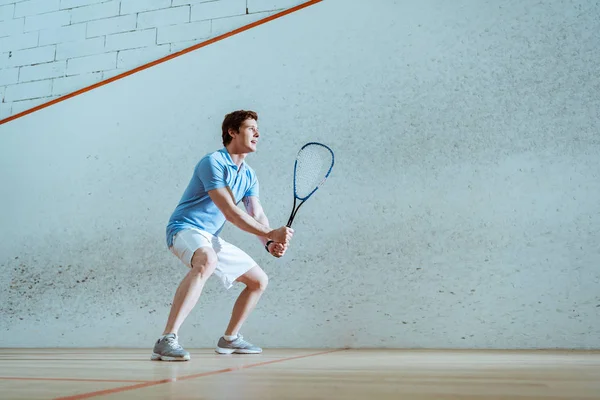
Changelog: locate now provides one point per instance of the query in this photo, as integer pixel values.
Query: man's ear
(232, 132)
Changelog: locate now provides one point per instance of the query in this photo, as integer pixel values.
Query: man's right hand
(281, 235)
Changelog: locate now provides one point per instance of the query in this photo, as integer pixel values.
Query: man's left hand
(277, 249)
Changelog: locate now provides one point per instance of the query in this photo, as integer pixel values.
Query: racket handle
(267, 245)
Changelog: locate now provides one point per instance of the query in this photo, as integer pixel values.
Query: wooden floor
(301, 374)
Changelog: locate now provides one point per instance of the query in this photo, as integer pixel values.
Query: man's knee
(259, 283)
(204, 262)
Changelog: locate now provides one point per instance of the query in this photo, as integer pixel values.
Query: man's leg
(256, 282)
(203, 264)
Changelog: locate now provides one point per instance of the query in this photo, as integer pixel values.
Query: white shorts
(232, 262)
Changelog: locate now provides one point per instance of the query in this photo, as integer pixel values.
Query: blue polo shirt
(196, 209)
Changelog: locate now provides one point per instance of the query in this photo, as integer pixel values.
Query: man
(220, 181)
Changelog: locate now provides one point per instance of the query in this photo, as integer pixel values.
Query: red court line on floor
(186, 377)
(19, 378)
(161, 60)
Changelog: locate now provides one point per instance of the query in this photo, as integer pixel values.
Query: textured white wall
(49, 48)
(462, 211)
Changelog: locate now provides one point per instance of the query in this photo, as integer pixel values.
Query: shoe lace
(241, 342)
(173, 343)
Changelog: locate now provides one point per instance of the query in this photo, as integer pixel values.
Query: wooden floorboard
(301, 374)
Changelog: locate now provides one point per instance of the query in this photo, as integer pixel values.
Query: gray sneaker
(239, 346)
(168, 349)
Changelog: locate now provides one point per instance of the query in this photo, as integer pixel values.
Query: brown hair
(233, 121)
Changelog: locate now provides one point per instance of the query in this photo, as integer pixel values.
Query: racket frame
(303, 199)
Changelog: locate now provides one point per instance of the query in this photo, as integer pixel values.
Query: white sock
(229, 338)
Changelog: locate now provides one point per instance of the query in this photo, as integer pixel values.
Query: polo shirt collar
(230, 161)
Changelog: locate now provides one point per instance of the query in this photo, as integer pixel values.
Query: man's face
(247, 138)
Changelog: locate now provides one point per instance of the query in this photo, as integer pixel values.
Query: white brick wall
(69, 84)
(136, 6)
(267, 5)
(31, 56)
(218, 9)
(65, 34)
(42, 71)
(7, 12)
(9, 76)
(96, 11)
(49, 48)
(12, 27)
(5, 108)
(100, 62)
(131, 40)
(184, 32)
(170, 16)
(30, 90)
(19, 42)
(129, 59)
(65, 51)
(35, 7)
(46, 21)
(109, 26)
(67, 4)
(3, 60)
(224, 25)
(23, 105)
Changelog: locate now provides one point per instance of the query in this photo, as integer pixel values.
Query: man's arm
(223, 199)
(255, 210)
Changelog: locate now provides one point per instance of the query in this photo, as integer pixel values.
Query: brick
(131, 40)
(109, 74)
(8, 76)
(224, 25)
(177, 46)
(183, 32)
(31, 90)
(65, 34)
(35, 7)
(100, 62)
(129, 59)
(37, 55)
(69, 84)
(66, 4)
(135, 6)
(188, 2)
(43, 71)
(218, 9)
(80, 49)
(19, 42)
(169, 16)
(271, 5)
(109, 26)
(95, 12)
(7, 12)
(12, 27)
(46, 21)
(19, 106)
(3, 60)
(5, 108)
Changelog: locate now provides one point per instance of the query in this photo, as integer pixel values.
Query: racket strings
(313, 164)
